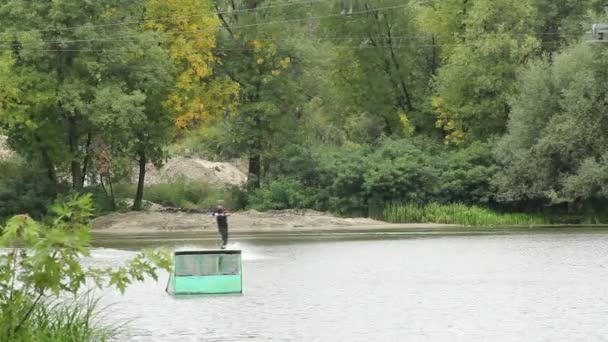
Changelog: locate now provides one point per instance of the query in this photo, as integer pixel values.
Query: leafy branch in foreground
(44, 261)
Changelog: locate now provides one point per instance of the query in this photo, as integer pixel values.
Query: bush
(23, 190)
(466, 174)
(362, 179)
(102, 203)
(283, 193)
(185, 193)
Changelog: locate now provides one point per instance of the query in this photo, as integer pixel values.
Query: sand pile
(5, 151)
(195, 169)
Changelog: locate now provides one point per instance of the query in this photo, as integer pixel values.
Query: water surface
(548, 285)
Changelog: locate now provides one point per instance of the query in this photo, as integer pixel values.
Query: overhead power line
(352, 47)
(305, 38)
(136, 37)
(333, 15)
(134, 22)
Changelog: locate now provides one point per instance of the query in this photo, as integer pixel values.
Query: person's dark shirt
(222, 221)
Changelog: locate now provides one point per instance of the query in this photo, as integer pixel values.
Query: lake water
(509, 286)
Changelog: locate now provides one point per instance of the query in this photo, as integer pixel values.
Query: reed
(457, 213)
(74, 321)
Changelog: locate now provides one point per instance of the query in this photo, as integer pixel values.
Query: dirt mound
(195, 169)
(5, 151)
(245, 221)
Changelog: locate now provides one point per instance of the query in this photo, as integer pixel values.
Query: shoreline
(412, 228)
(290, 222)
(247, 222)
(388, 227)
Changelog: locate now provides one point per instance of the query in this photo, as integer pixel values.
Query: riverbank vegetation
(73, 321)
(458, 214)
(43, 283)
(341, 106)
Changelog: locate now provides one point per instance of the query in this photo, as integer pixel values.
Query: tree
(71, 86)
(556, 148)
(474, 85)
(197, 98)
(562, 22)
(58, 71)
(26, 94)
(131, 120)
(266, 69)
(381, 70)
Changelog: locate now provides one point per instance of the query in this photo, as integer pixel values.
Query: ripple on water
(527, 287)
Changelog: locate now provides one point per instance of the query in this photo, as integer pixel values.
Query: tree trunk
(87, 159)
(109, 194)
(253, 179)
(112, 197)
(75, 166)
(51, 173)
(463, 26)
(139, 195)
(406, 93)
(50, 170)
(434, 61)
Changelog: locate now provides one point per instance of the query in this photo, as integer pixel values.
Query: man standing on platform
(221, 215)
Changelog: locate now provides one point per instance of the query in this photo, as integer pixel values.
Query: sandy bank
(247, 221)
(5, 151)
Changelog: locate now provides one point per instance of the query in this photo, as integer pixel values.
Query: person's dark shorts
(223, 228)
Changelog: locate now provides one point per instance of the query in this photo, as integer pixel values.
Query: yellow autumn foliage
(196, 99)
(266, 54)
(284, 63)
(449, 121)
(257, 44)
(407, 125)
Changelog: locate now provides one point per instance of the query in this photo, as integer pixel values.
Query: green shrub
(362, 179)
(185, 193)
(283, 193)
(23, 190)
(466, 174)
(102, 203)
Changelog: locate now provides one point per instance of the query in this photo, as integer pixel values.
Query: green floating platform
(206, 272)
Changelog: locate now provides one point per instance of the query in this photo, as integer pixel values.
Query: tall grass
(73, 321)
(457, 213)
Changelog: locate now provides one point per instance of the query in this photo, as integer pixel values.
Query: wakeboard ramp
(206, 272)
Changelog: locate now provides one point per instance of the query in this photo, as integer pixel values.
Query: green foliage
(23, 189)
(55, 320)
(386, 77)
(42, 262)
(188, 194)
(64, 96)
(479, 76)
(356, 179)
(556, 147)
(457, 214)
(104, 204)
(466, 174)
(337, 105)
(561, 22)
(283, 193)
